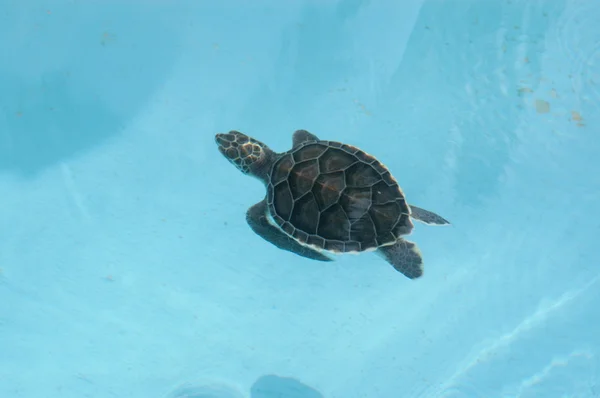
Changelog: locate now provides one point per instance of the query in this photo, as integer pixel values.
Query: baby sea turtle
(325, 196)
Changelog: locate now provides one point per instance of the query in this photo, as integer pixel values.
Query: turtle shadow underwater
(328, 197)
(266, 386)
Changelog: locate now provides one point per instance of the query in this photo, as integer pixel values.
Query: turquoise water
(127, 268)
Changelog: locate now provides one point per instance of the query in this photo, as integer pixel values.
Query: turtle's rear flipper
(257, 219)
(405, 257)
(426, 216)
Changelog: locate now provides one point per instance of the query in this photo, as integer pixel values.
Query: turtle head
(250, 156)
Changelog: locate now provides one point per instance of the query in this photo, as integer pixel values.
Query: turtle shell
(335, 197)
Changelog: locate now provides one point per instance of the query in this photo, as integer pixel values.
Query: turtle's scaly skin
(333, 196)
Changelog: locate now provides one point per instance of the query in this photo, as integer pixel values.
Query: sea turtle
(326, 196)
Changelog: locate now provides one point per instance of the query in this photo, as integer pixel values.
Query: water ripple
(581, 48)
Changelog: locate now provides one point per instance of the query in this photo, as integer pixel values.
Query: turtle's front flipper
(257, 219)
(427, 216)
(301, 136)
(405, 257)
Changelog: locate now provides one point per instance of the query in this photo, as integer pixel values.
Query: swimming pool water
(127, 268)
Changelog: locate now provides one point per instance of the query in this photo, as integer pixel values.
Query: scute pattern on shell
(336, 197)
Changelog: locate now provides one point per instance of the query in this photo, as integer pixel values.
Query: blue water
(127, 268)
